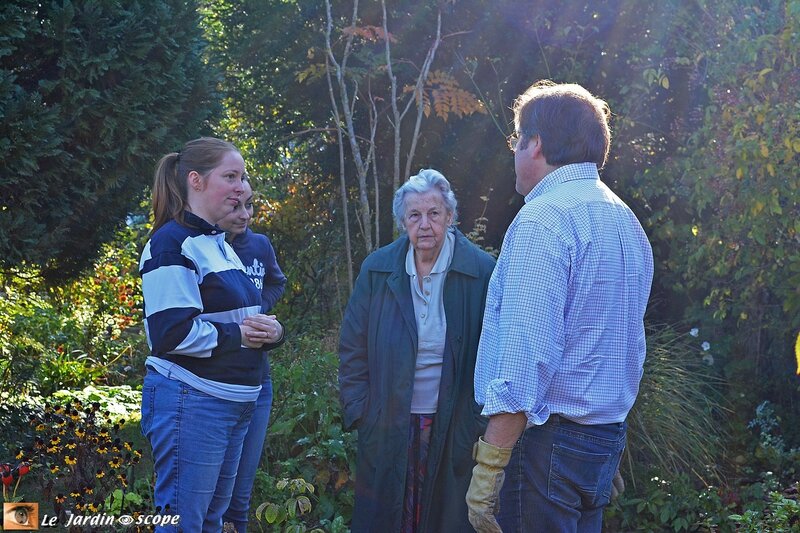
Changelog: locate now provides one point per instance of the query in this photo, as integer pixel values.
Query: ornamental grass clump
(676, 424)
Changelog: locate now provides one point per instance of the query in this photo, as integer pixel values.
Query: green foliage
(117, 402)
(478, 233)
(677, 504)
(294, 209)
(762, 496)
(770, 452)
(725, 207)
(305, 437)
(288, 511)
(85, 331)
(258, 46)
(91, 94)
(668, 505)
(782, 514)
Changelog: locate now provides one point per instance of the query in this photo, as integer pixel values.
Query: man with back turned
(563, 344)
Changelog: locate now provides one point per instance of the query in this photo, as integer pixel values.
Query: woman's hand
(260, 329)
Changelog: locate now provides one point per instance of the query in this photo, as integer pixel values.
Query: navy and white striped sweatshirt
(196, 293)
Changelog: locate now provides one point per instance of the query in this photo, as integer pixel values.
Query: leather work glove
(484, 489)
(617, 485)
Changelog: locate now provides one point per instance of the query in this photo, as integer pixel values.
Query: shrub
(81, 456)
(724, 210)
(287, 511)
(782, 514)
(662, 504)
(85, 331)
(305, 439)
(91, 93)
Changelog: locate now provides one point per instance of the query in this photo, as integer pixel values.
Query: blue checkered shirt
(563, 329)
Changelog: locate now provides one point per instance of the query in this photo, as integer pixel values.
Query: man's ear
(536, 149)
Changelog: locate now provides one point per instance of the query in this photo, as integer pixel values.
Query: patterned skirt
(419, 439)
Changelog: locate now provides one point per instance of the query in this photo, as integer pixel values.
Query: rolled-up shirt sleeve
(523, 330)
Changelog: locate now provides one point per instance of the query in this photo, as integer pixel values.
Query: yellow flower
(797, 352)
(70, 459)
(54, 469)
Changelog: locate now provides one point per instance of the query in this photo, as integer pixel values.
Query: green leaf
(271, 513)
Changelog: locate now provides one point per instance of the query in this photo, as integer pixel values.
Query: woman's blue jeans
(197, 441)
(251, 456)
(559, 477)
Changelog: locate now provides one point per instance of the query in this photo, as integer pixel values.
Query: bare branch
(423, 76)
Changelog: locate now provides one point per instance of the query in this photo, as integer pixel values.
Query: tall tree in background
(279, 104)
(91, 94)
(365, 72)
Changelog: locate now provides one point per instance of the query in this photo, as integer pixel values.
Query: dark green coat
(377, 352)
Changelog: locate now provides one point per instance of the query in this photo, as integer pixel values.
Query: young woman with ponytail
(206, 333)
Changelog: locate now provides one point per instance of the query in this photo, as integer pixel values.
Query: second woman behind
(407, 356)
(261, 266)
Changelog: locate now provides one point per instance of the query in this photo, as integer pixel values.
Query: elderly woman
(407, 355)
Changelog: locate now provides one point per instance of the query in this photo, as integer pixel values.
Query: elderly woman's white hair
(426, 180)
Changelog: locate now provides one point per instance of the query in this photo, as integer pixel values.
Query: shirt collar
(574, 171)
(442, 262)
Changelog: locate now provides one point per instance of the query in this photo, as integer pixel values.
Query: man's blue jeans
(251, 456)
(559, 477)
(197, 441)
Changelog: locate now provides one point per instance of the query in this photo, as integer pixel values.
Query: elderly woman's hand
(261, 329)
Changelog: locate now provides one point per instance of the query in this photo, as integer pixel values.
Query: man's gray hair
(426, 180)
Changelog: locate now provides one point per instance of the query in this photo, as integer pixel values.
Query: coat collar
(392, 258)
(194, 221)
